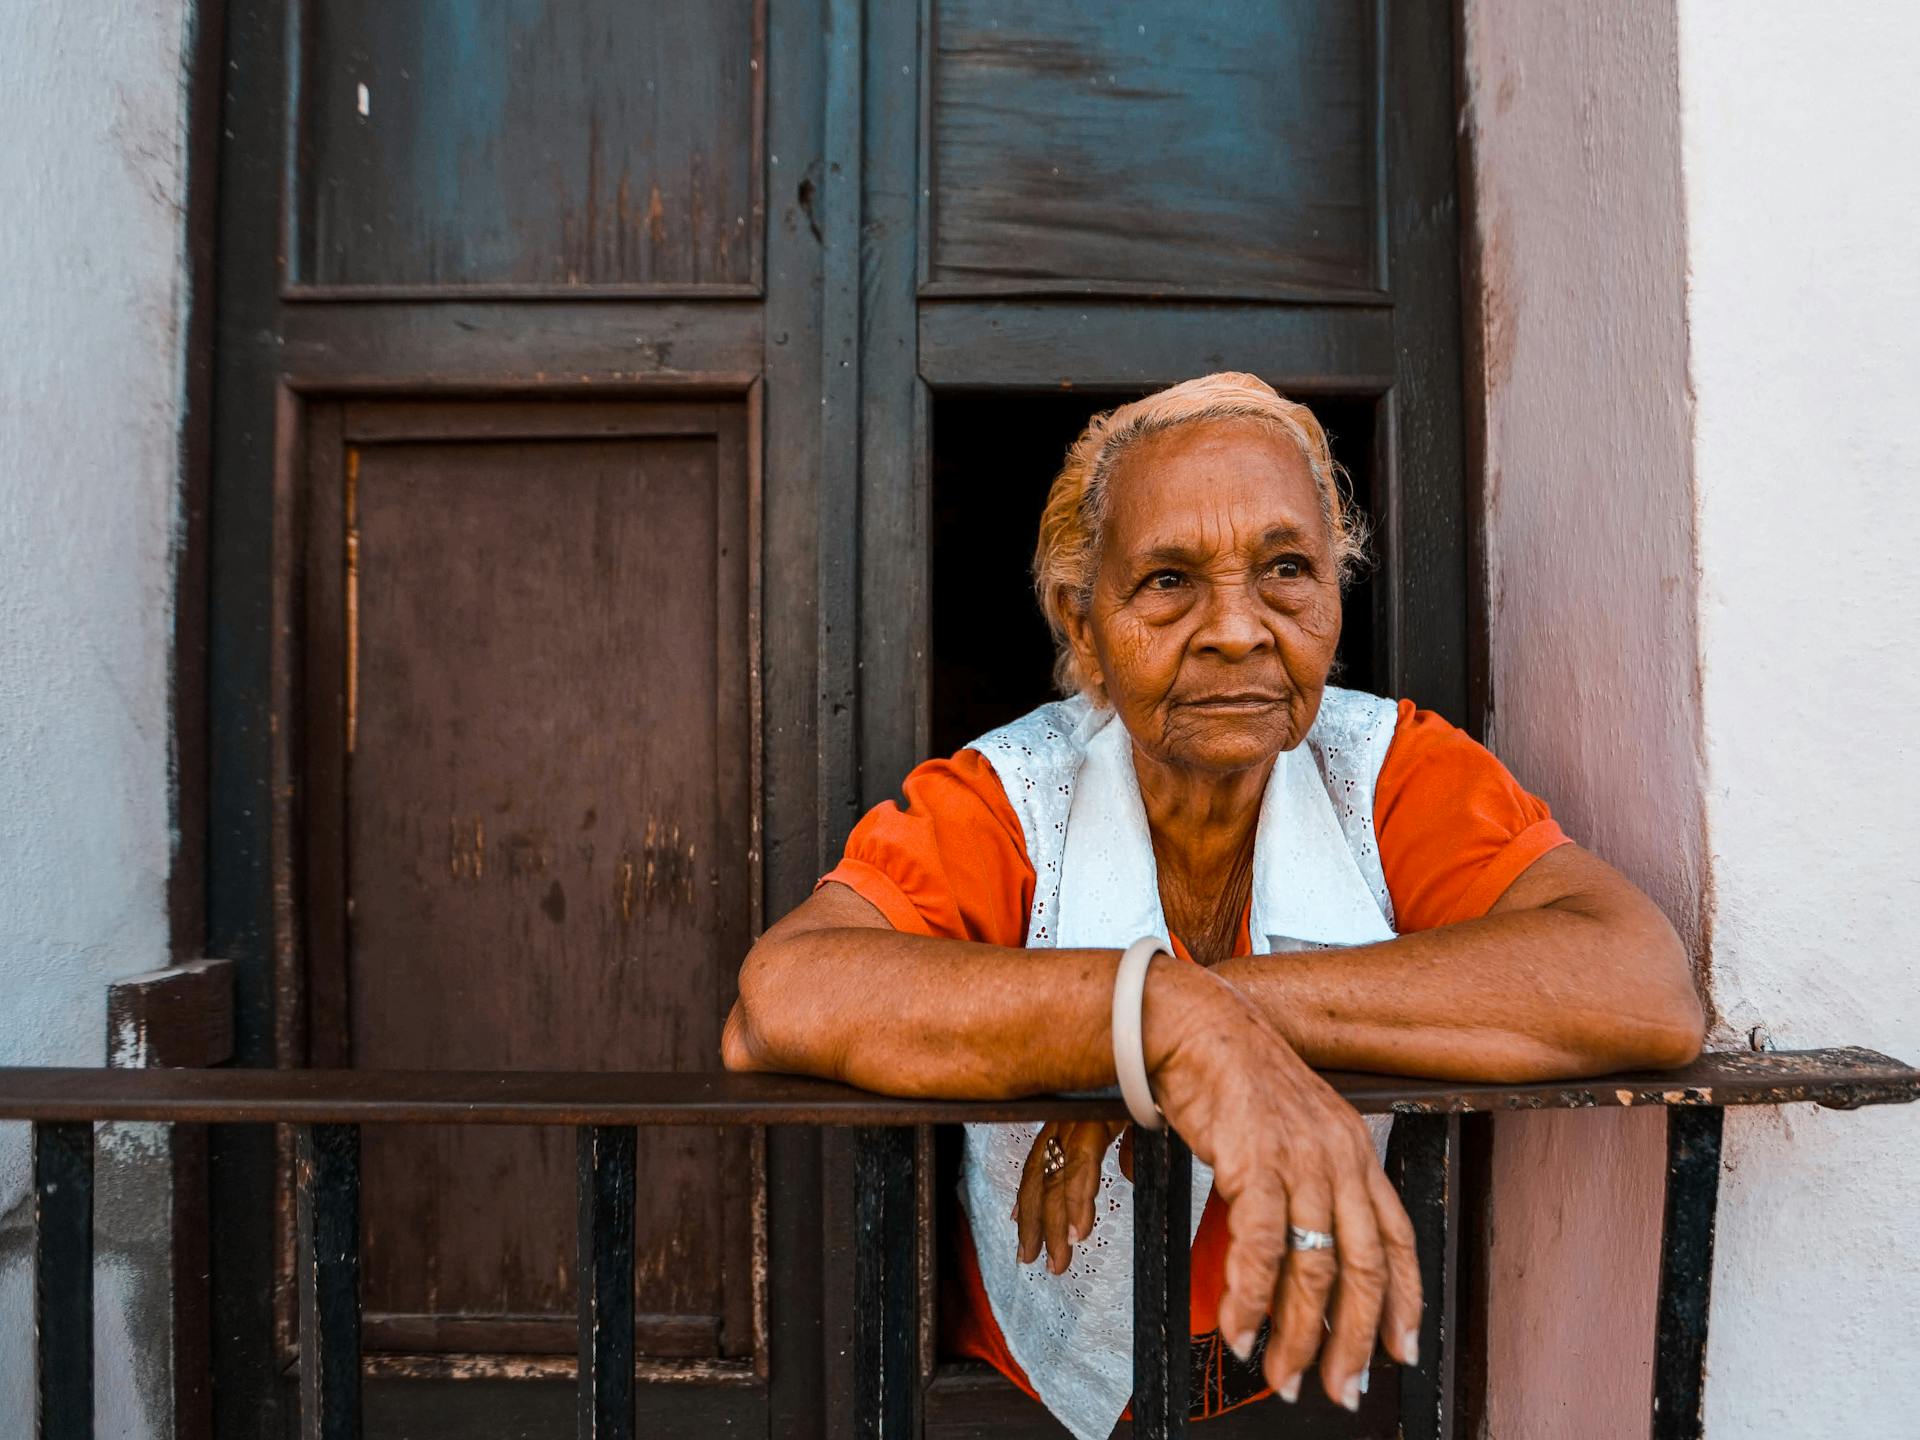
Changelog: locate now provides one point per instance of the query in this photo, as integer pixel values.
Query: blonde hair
(1068, 553)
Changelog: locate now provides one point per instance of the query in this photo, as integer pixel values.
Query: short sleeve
(1455, 828)
(947, 859)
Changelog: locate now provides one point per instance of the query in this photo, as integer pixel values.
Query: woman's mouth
(1239, 700)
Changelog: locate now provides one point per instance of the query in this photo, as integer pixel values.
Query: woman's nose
(1233, 625)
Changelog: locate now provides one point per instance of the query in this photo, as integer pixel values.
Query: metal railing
(328, 1108)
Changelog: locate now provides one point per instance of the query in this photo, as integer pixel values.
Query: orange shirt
(1454, 831)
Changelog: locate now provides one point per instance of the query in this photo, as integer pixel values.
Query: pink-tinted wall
(1579, 229)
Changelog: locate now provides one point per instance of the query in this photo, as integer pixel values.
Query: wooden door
(581, 372)
(512, 662)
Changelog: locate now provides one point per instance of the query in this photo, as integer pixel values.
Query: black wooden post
(605, 1237)
(886, 1285)
(1162, 1335)
(63, 1278)
(1423, 1162)
(1686, 1271)
(327, 1177)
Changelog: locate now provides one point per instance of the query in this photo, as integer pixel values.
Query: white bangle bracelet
(1129, 1046)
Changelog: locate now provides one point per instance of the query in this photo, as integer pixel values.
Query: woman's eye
(1288, 567)
(1165, 580)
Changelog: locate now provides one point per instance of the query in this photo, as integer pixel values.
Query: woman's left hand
(1057, 1210)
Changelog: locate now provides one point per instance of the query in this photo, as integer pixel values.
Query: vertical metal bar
(1686, 1271)
(63, 1278)
(1423, 1162)
(1162, 1334)
(605, 1237)
(327, 1175)
(886, 1285)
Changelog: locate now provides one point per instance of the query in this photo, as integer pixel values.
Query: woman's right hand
(1285, 1150)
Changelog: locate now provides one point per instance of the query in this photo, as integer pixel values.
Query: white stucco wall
(91, 307)
(1573, 119)
(1800, 130)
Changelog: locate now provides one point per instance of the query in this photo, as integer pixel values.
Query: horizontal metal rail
(328, 1107)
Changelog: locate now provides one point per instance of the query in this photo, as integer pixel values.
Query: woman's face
(1216, 607)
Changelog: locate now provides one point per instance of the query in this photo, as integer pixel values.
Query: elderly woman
(1327, 879)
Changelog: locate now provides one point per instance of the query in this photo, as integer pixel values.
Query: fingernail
(1290, 1391)
(1073, 1234)
(1242, 1344)
(1410, 1347)
(1350, 1397)
(1366, 1379)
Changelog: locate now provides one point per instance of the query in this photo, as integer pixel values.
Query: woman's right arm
(833, 990)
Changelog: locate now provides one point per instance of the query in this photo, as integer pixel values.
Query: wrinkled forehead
(1212, 486)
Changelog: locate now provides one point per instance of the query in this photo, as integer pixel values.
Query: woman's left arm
(1572, 972)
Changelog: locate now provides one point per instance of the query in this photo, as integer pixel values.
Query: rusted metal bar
(606, 1257)
(1425, 1165)
(1162, 1232)
(63, 1279)
(1686, 1273)
(327, 1178)
(886, 1285)
(1842, 1078)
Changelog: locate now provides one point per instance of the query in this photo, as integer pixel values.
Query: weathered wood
(592, 144)
(886, 1285)
(1840, 1078)
(835, 211)
(63, 1279)
(328, 1186)
(895, 538)
(1686, 1273)
(1227, 150)
(1302, 350)
(605, 1240)
(529, 716)
(1162, 1283)
(410, 347)
(1425, 1166)
(1420, 624)
(785, 447)
(180, 1015)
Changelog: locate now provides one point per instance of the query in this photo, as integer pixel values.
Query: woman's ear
(1073, 617)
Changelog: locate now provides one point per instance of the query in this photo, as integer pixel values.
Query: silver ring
(1300, 1239)
(1053, 1158)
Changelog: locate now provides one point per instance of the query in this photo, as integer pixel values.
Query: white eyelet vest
(1067, 769)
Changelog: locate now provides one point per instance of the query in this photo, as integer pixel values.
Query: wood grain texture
(1137, 146)
(180, 1015)
(507, 145)
(1301, 350)
(546, 829)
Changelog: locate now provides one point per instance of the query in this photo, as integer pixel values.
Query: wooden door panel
(1139, 146)
(515, 143)
(545, 813)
